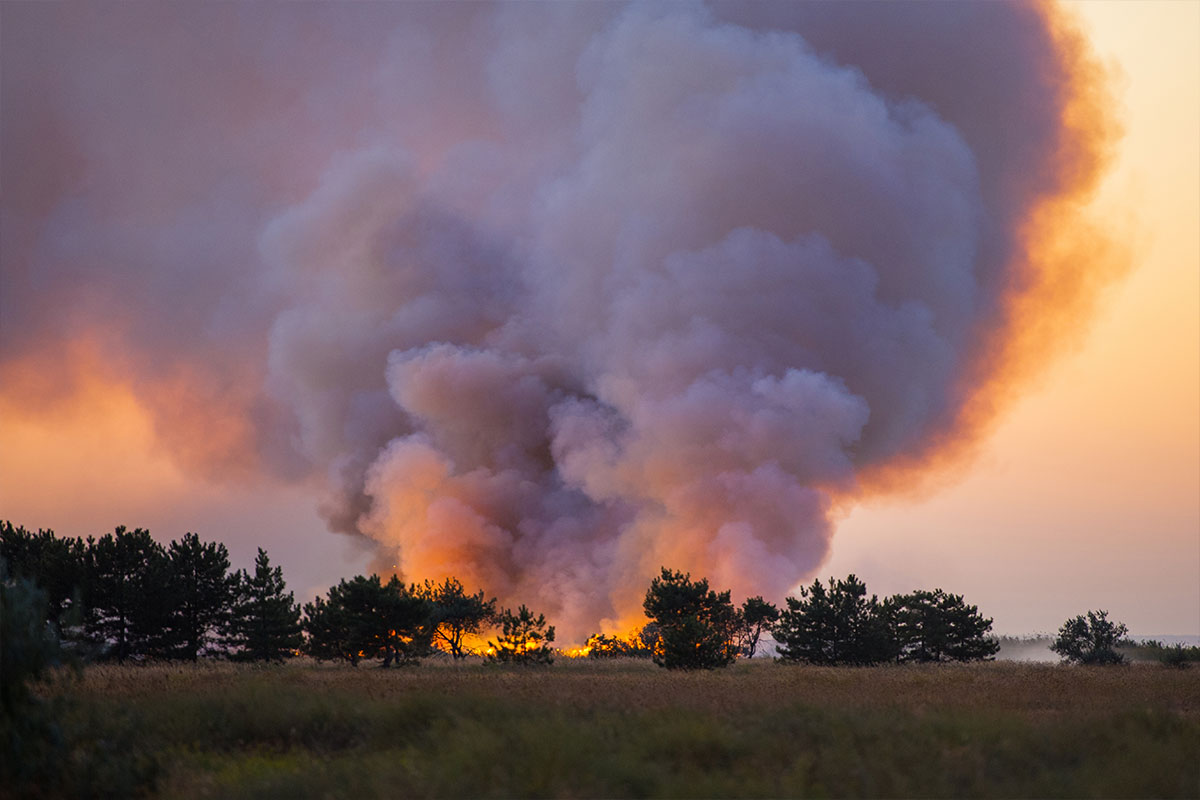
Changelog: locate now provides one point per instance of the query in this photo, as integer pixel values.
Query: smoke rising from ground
(547, 296)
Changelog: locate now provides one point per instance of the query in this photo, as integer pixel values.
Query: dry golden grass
(582, 683)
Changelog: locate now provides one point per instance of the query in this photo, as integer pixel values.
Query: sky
(1087, 494)
(1083, 492)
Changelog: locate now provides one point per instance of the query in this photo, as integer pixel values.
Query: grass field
(627, 728)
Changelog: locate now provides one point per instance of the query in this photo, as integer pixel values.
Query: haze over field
(545, 296)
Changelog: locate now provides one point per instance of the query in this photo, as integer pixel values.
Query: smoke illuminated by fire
(545, 297)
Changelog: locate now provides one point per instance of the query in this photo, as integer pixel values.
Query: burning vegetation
(108, 595)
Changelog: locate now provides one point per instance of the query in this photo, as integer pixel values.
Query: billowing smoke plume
(546, 296)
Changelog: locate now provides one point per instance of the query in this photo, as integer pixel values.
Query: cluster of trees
(366, 618)
(833, 624)
(124, 595)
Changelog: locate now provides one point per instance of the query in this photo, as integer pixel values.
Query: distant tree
(936, 626)
(265, 622)
(696, 625)
(202, 590)
(1178, 655)
(838, 625)
(524, 639)
(1091, 639)
(754, 618)
(129, 594)
(1172, 655)
(364, 618)
(456, 614)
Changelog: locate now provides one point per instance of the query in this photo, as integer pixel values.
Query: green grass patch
(628, 729)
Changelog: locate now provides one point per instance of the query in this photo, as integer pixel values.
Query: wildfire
(576, 652)
(601, 645)
(526, 646)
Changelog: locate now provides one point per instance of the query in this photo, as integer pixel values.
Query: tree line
(125, 596)
(829, 624)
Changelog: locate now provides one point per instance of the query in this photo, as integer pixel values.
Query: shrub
(1091, 639)
(43, 751)
(524, 639)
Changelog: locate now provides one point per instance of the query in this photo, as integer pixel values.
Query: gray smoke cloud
(546, 296)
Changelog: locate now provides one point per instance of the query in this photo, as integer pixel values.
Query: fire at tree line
(124, 596)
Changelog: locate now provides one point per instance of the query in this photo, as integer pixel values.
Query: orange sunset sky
(1085, 494)
(1088, 493)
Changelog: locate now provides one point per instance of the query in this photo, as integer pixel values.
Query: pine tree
(409, 622)
(265, 623)
(202, 590)
(456, 613)
(936, 626)
(754, 617)
(54, 564)
(697, 626)
(524, 639)
(363, 618)
(128, 594)
(838, 625)
(327, 634)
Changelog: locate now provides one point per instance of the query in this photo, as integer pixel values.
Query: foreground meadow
(627, 728)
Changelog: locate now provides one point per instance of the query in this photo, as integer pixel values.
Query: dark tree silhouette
(363, 618)
(129, 594)
(48, 745)
(600, 646)
(936, 626)
(202, 590)
(524, 639)
(409, 624)
(754, 618)
(30, 755)
(327, 634)
(265, 623)
(639, 644)
(1090, 640)
(696, 626)
(456, 614)
(838, 625)
(30, 644)
(55, 564)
